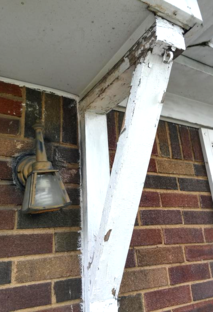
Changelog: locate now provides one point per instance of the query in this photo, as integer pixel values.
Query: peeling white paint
(106, 257)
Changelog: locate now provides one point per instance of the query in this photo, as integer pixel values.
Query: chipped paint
(107, 236)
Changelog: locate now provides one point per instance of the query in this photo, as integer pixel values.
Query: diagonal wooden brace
(149, 83)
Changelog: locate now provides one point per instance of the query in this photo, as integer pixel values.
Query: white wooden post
(134, 148)
(95, 177)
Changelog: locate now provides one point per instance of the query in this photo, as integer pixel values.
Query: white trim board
(184, 111)
(39, 87)
(190, 63)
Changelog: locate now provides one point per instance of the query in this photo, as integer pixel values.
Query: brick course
(143, 279)
(187, 273)
(157, 256)
(47, 268)
(25, 244)
(24, 297)
(146, 237)
(183, 236)
(179, 200)
(160, 299)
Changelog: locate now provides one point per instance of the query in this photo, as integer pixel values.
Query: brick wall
(170, 261)
(39, 256)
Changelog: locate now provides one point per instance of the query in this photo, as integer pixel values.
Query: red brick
(150, 199)
(7, 219)
(112, 139)
(146, 237)
(155, 149)
(193, 185)
(10, 107)
(200, 170)
(211, 266)
(70, 118)
(175, 145)
(206, 201)
(52, 115)
(196, 146)
(130, 303)
(130, 261)
(24, 297)
(208, 235)
(152, 217)
(10, 195)
(70, 175)
(11, 147)
(63, 155)
(163, 139)
(175, 167)
(7, 88)
(152, 166)
(67, 308)
(160, 299)
(156, 256)
(206, 306)
(188, 273)
(143, 279)
(183, 236)
(202, 290)
(198, 217)
(68, 289)
(160, 182)
(9, 126)
(5, 170)
(199, 253)
(25, 244)
(186, 143)
(74, 195)
(179, 200)
(33, 111)
(47, 268)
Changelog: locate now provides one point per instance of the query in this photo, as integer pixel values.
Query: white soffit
(64, 44)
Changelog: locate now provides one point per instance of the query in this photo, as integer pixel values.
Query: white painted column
(132, 157)
(95, 169)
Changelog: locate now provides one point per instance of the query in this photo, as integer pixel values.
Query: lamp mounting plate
(24, 168)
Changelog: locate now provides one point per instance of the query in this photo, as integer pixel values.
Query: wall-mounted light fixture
(44, 189)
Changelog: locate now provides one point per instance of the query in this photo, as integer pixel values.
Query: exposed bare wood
(114, 87)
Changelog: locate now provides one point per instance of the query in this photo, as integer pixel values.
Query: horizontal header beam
(185, 13)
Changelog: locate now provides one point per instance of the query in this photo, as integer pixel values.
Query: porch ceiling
(65, 44)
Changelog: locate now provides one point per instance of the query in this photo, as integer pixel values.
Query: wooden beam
(132, 157)
(184, 13)
(95, 178)
(115, 86)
